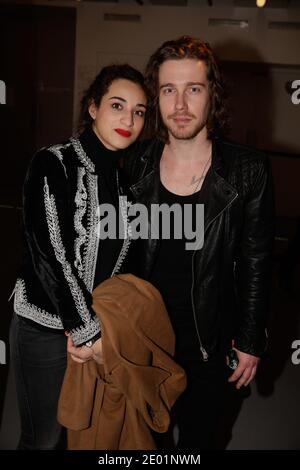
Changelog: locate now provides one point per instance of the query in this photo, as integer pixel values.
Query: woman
(65, 256)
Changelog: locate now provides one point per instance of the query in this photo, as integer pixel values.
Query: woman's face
(119, 119)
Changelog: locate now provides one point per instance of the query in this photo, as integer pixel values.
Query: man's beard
(183, 133)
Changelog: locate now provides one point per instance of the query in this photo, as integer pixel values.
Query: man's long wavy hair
(187, 47)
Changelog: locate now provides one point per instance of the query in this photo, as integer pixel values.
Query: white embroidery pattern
(56, 150)
(92, 239)
(80, 201)
(27, 310)
(127, 231)
(87, 202)
(90, 328)
(85, 332)
(84, 159)
(23, 308)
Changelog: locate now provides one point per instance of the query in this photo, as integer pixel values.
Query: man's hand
(79, 353)
(245, 370)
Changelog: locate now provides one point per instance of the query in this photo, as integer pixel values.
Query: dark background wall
(48, 55)
(37, 50)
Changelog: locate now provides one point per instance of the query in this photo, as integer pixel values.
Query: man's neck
(190, 150)
(184, 164)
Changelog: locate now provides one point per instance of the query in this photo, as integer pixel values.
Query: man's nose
(180, 101)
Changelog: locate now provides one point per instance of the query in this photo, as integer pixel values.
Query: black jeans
(198, 411)
(39, 358)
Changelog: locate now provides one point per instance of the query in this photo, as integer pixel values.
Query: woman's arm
(48, 223)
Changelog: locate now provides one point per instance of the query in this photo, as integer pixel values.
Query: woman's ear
(92, 109)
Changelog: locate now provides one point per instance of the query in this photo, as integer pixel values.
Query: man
(216, 294)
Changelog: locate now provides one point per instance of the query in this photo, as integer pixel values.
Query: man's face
(184, 97)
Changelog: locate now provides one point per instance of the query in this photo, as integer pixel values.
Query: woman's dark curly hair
(99, 87)
(187, 47)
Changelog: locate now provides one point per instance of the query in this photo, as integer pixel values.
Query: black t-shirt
(172, 276)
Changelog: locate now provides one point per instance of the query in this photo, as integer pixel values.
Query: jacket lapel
(219, 195)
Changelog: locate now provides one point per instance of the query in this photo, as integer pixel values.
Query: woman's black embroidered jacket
(61, 241)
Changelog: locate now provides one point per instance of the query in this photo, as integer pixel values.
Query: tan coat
(116, 405)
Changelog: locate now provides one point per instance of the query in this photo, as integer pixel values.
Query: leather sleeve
(254, 262)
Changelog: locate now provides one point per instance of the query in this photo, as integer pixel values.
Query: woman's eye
(117, 106)
(140, 113)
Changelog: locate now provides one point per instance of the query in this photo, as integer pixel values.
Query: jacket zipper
(204, 353)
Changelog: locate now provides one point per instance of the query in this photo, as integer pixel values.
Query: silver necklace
(201, 178)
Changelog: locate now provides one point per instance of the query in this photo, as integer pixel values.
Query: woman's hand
(97, 351)
(83, 354)
(79, 353)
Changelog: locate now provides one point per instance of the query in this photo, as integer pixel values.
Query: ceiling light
(260, 3)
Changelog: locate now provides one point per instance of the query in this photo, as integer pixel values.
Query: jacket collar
(150, 173)
(219, 196)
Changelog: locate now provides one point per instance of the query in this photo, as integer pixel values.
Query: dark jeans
(198, 410)
(39, 358)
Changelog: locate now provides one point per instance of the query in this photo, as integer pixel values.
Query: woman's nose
(127, 119)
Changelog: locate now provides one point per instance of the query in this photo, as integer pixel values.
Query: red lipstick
(123, 133)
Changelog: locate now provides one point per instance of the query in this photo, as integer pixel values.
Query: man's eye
(117, 106)
(168, 91)
(195, 89)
